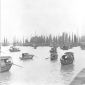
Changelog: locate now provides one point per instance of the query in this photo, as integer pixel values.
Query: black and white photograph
(42, 42)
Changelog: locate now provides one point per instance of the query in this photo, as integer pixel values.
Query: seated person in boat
(53, 50)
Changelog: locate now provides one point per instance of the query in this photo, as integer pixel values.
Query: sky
(26, 18)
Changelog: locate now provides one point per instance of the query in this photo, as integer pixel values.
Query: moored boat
(5, 63)
(69, 53)
(64, 47)
(53, 54)
(67, 68)
(67, 58)
(14, 49)
(26, 56)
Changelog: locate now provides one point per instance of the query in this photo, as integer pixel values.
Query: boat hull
(54, 56)
(14, 50)
(64, 48)
(5, 68)
(27, 57)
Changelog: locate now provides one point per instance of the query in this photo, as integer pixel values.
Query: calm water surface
(41, 71)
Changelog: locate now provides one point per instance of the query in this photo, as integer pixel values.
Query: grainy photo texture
(42, 42)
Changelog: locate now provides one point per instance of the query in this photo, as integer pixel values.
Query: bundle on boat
(67, 58)
(26, 56)
(53, 53)
(14, 49)
(5, 63)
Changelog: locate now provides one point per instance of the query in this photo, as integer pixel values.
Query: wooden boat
(53, 50)
(64, 47)
(67, 58)
(79, 79)
(69, 53)
(5, 63)
(53, 54)
(26, 56)
(67, 68)
(14, 49)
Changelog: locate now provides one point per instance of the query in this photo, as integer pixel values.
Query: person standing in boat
(53, 53)
(53, 50)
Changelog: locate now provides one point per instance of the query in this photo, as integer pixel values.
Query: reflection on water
(5, 78)
(67, 68)
(67, 73)
(39, 70)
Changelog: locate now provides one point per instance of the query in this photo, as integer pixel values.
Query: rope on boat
(18, 65)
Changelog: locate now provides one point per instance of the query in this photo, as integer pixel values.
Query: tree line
(60, 40)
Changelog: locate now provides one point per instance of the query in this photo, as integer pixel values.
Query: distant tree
(26, 41)
(75, 39)
(5, 42)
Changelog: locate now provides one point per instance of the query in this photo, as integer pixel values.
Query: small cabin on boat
(5, 63)
(67, 58)
(26, 56)
(14, 49)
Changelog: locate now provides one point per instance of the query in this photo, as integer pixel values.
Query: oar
(18, 65)
(47, 58)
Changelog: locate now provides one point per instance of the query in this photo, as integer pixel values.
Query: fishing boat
(67, 58)
(53, 54)
(14, 49)
(65, 47)
(53, 50)
(5, 63)
(67, 68)
(26, 56)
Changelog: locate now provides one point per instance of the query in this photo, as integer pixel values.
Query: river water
(41, 71)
